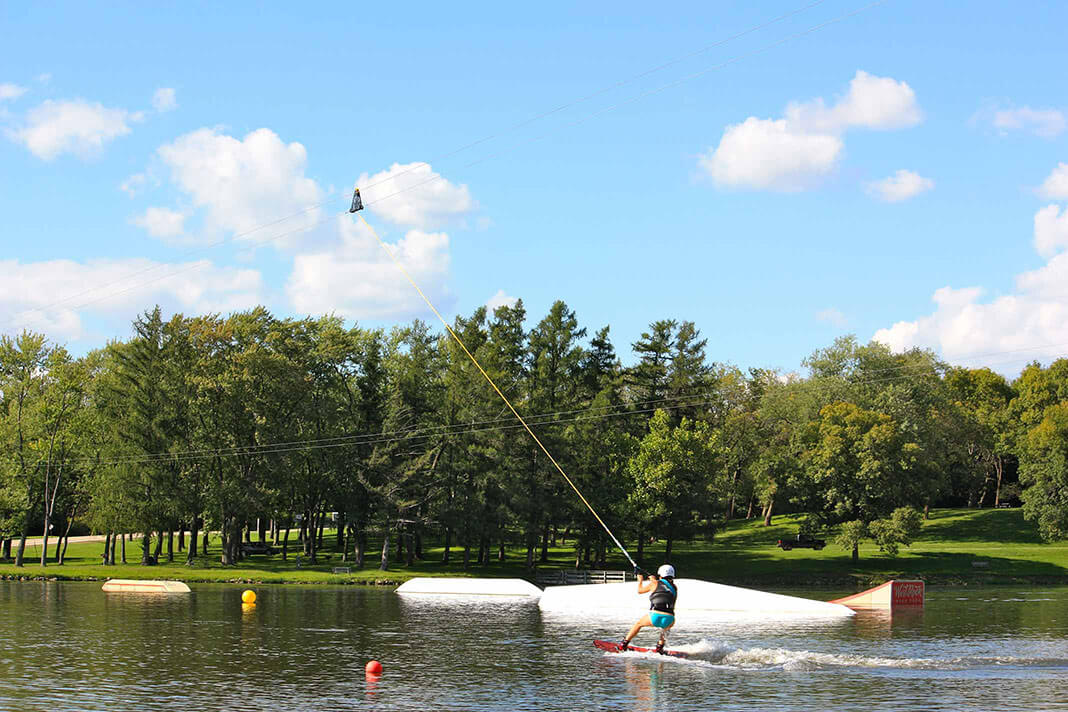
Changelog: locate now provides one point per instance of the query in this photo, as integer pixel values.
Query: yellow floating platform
(132, 586)
(887, 597)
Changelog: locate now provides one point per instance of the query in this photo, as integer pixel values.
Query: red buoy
(373, 668)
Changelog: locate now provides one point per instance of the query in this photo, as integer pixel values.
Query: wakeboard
(611, 647)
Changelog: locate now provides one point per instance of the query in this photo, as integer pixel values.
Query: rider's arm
(645, 585)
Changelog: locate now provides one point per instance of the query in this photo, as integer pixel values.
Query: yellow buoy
(248, 596)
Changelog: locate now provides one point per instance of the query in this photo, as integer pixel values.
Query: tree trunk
(417, 537)
(384, 565)
(204, 543)
(107, 546)
(999, 468)
(322, 523)
(544, 558)
(181, 537)
(227, 532)
(448, 546)
(114, 541)
(341, 531)
(310, 546)
(123, 549)
(730, 505)
(361, 546)
(44, 539)
(411, 551)
(146, 541)
(400, 543)
(749, 514)
(191, 555)
(170, 546)
(159, 547)
(767, 513)
(530, 551)
(261, 526)
(285, 543)
(500, 549)
(856, 553)
(59, 545)
(6, 549)
(667, 547)
(21, 551)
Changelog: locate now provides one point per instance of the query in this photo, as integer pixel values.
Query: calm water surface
(69, 646)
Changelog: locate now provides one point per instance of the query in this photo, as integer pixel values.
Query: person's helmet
(666, 571)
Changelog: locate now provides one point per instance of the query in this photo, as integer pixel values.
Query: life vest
(663, 597)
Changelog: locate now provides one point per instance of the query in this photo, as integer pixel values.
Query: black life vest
(663, 597)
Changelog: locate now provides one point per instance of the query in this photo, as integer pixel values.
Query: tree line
(253, 423)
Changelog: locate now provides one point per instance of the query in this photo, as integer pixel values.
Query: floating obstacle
(131, 586)
(612, 599)
(887, 597)
(444, 586)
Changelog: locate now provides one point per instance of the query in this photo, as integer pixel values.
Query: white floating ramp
(695, 596)
(446, 586)
(132, 586)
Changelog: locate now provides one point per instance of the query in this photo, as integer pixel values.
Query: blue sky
(901, 173)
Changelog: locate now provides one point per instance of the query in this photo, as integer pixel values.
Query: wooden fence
(569, 577)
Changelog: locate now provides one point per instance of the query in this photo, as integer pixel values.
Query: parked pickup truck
(256, 547)
(803, 541)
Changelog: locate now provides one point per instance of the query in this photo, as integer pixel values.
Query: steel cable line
(421, 435)
(415, 437)
(429, 431)
(475, 143)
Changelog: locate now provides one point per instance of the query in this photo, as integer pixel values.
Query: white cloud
(1032, 321)
(162, 223)
(788, 154)
(75, 126)
(164, 100)
(1051, 230)
(832, 316)
(414, 195)
(29, 291)
(10, 92)
(134, 184)
(242, 184)
(900, 186)
(879, 103)
(767, 154)
(359, 280)
(1055, 186)
(500, 299)
(1047, 123)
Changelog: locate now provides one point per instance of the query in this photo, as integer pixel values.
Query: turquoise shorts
(661, 620)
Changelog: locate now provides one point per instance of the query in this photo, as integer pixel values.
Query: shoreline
(858, 581)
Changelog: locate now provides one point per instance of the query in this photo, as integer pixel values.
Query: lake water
(69, 646)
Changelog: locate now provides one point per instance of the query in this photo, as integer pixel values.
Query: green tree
(1044, 473)
(858, 466)
(674, 473)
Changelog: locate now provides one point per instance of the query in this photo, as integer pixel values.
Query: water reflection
(304, 648)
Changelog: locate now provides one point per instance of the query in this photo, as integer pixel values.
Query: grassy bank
(955, 547)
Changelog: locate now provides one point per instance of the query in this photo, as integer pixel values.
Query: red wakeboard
(611, 647)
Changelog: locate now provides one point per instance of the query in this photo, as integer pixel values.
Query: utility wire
(198, 265)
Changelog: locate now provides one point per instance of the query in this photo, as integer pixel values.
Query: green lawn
(1005, 547)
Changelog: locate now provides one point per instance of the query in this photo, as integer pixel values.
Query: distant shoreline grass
(956, 547)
